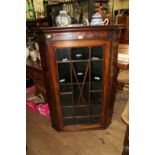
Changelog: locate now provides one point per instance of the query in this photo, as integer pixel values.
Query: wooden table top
(123, 49)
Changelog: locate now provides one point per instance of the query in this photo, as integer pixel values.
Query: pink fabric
(43, 109)
(31, 105)
(30, 89)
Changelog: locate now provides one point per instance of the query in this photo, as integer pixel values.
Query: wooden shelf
(101, 1)
(37, 22)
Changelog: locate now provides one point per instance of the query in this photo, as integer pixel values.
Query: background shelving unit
(85, 9)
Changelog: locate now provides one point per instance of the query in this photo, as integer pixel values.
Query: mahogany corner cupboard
(79, 65)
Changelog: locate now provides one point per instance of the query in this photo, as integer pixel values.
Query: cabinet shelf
(66, 93)
(95, 91)
(70, 93)
(76, 106)
(71, 117)
(100, 1)
(81, 83)
(74, 61)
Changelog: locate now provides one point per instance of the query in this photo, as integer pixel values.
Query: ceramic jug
(63, 19)
(36, 46)
(27, 52)
(34, 55)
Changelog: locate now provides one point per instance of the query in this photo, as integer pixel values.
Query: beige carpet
(42, 139)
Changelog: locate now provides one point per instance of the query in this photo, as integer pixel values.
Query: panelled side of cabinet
(106, 81)
(113, 73)
(54, 78)
(114, 41)
(49, 85)
(69, 38)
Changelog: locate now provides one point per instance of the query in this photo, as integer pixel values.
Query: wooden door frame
(55, 82)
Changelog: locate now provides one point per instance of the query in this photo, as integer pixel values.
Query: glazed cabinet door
(79, 71)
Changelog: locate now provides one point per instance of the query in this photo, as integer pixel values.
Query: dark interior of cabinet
(80, 81)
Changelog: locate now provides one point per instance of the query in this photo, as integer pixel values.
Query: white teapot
(97, 20)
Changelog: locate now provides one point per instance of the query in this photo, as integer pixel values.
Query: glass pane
(64, 73)
(65, 87)
(76, 93)
(62, 54)
(95, 98)
(81, 111)
(81, 53)
(95, 109)
(95, 119)
(75, 111)
(97, 53)
(96, 86)
(84, 120)
(80, 71)
(81, 100)
(84, 95)
(71, 121)
(81, 120)
(96, 70)
(68, 121)
(68, 111)
(66, 99)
